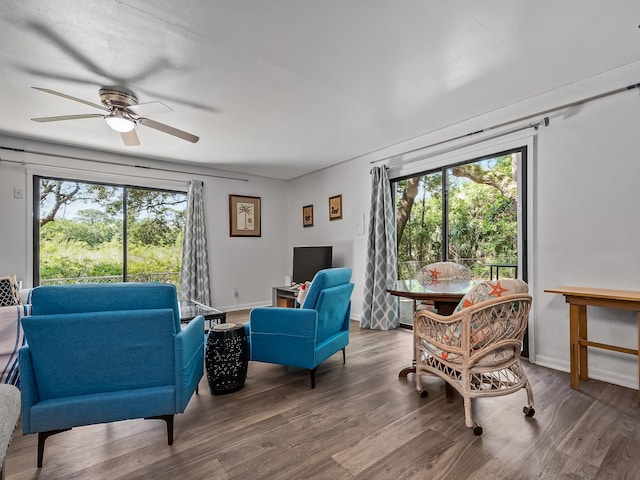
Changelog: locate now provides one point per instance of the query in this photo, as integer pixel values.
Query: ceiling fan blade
(67, 117)
(69, 97)
(167, 129)
(149, 108)
(130, 138)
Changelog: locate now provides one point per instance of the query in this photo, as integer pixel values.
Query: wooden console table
(578, 298)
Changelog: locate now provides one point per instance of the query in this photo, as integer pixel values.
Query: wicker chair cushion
(441, 271)
(488, 290)
(482, 332)
(495, 357)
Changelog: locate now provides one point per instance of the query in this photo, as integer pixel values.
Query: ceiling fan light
(118, 122)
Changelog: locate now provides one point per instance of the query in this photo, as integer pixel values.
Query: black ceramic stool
(226, 358)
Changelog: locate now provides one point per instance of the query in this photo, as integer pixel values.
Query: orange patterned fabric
(441, 271)
(492, 289)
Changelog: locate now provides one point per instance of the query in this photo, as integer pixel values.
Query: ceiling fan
(155, 67)
(123, 113)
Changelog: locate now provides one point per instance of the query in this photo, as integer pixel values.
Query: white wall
(584, 172)
(347, 235)
(586, 232)
(252, 265)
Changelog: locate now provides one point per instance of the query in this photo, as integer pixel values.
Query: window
(91, 232)
(470, 213)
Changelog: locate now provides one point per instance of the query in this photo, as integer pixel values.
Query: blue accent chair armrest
(189, 348)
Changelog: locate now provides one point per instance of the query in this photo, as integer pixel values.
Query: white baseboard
(608, 376)
(552, 362)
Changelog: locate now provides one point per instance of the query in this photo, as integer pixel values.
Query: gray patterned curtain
(380, 310)
(194, 276)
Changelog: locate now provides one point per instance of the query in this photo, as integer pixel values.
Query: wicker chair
(477, 349)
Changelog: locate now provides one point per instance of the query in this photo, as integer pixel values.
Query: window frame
(36, 179)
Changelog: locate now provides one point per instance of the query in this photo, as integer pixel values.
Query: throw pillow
(9, 291)
(304, 289)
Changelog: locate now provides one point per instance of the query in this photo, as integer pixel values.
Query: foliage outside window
(463, 213)
(90, 232)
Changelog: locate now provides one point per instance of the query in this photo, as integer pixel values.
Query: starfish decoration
(434, 274)
(496, 290)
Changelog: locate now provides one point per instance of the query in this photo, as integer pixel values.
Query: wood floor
(360, 422)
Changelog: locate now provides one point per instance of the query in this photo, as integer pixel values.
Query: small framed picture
(335, 207)
(307, 216)
(244, 216)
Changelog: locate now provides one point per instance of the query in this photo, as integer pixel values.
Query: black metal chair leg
(344, 356)
(42, 437)
(169, 420)
(313, 378)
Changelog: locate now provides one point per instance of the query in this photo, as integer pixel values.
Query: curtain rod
(535, 125)
(104, 162)
(526, 117)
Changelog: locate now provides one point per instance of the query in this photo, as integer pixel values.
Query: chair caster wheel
(529, 411)
(424, 393)
(477, 429)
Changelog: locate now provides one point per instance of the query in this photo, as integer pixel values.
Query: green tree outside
(482, 217)
(86, 244)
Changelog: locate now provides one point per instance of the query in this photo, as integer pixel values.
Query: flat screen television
(307, 261)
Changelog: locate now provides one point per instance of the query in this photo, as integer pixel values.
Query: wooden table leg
(574, 351)
(582, 335)
(639, 354)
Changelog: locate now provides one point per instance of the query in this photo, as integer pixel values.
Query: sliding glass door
(470, 213)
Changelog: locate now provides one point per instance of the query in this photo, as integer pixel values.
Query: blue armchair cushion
(96, 356)
(103, 297)
(325, 279)
(284, 335)
(333, 307)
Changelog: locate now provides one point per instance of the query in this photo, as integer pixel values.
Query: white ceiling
(280, 88)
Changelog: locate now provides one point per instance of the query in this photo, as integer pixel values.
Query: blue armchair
(305, 337)
(99, 353)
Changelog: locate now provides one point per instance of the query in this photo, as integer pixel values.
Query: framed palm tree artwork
(244, 216)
